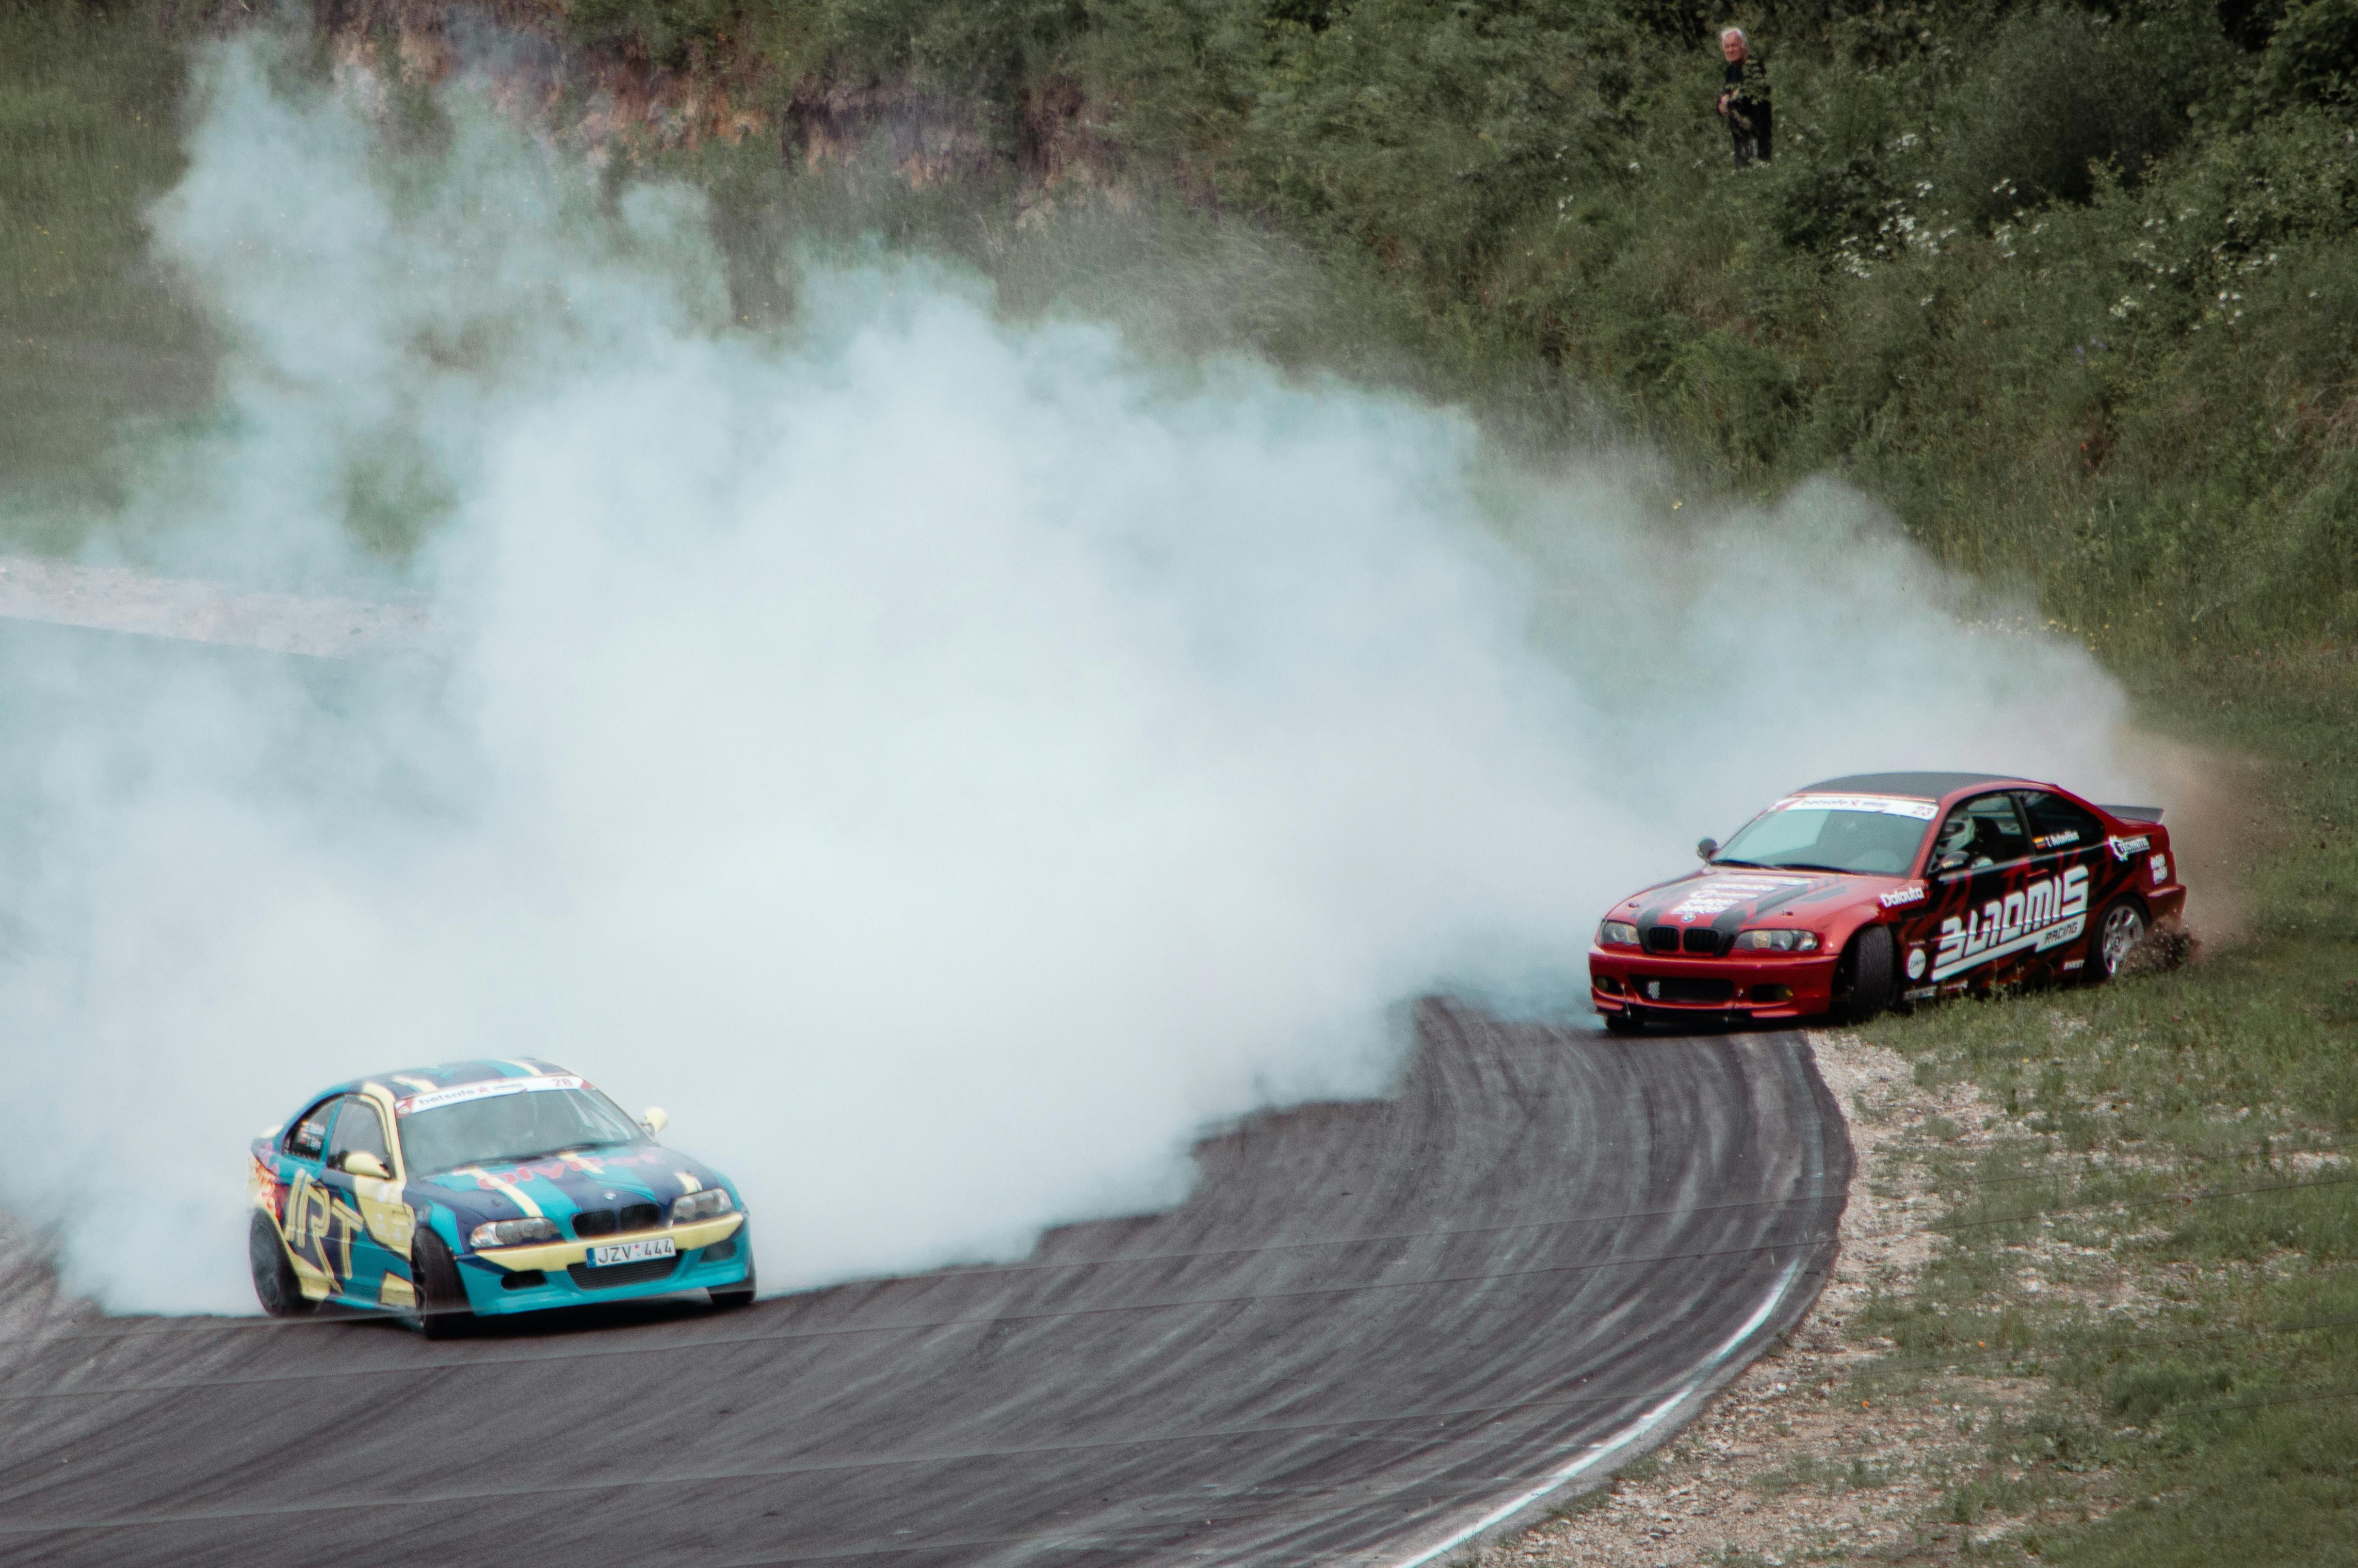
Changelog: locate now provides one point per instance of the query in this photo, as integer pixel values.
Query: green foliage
(2313, 53)
(2065, 286)
(90, 334)
(666, 32)
(2062, 94)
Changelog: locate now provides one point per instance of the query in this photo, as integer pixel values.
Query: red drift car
(1858, 894)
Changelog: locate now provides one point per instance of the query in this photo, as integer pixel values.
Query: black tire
(274, 1285)
(2119, 932)
(1622, 1023)
(442, 1309)
(728, 1298)
(1866, 977)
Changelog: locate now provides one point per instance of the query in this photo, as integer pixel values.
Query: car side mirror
(361, 1162)
(655, 1121)
(1706, 848)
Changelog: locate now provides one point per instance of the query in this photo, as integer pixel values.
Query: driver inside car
(1956, 848)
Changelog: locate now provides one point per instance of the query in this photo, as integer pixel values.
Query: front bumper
(1668, 987)
(712, 1253)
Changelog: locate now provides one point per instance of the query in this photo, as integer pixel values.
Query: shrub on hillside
(2059, 94)
(666, 32)
(2313, 54)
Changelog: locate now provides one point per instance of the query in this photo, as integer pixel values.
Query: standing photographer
(1744, 102)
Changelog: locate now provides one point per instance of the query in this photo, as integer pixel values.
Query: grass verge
(2162, 1233)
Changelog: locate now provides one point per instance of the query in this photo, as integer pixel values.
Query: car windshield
(511, 1127)
(1870, 836)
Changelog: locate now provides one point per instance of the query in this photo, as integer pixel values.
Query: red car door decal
(2002, 926)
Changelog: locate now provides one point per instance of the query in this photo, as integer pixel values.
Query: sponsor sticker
(1915, 963)
(1921, 993)
(2158, 864)
(1721, 895)
(1912, 893)
(2039, 915)
(2124, 848)
(2055, 840)
(487, 1089)
(1885, 804)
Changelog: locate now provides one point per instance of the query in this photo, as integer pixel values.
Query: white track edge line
(1600, 1452)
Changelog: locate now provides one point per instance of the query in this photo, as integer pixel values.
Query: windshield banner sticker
(1885, 804)
(484, 1090)
(2046, 913)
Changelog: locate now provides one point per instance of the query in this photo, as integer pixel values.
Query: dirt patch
(2215, 829)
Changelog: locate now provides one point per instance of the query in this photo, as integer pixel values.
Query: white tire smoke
(948, 764)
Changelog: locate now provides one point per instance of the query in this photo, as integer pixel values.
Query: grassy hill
(2069, 288)
(2066, 286)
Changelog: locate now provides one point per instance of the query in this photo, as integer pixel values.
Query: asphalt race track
(1374, 1329)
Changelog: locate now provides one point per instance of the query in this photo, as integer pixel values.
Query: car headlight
(700, 1206)
(1617, 934)
(508, 1232)
(1777, 942)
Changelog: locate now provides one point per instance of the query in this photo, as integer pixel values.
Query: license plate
(632, 1252)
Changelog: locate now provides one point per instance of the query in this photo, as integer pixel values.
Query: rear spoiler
(2135, 813)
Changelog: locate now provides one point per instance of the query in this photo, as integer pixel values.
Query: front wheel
(1622, 1023)
(2119, 932)
(728, 1298)
(442, 1309)
(274, 1285)
(1866, 977)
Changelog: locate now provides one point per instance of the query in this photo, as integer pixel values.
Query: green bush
(666, 32)
(2059, 94)
(2065, 286)
(2313, 54)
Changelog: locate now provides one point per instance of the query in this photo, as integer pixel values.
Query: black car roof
(1928, 786)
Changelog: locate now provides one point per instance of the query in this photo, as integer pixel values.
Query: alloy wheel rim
(2121, 935)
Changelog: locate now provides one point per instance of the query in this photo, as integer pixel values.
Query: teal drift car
(480, 1189)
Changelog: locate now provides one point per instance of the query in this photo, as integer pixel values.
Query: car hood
(1730, 899)
(562, 1186)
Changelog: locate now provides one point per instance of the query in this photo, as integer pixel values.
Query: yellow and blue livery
(478, 1189)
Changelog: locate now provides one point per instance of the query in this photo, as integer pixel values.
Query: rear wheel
(728, 1298)
(2119, 931)
(274, 1285)
(1866, 977)
(442, 1309)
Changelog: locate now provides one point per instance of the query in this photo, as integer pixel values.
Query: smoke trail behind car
(948, 762)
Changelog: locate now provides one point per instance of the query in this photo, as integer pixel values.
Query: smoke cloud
(948, 762)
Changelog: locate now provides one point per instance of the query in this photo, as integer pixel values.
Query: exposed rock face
(608, 100)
